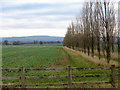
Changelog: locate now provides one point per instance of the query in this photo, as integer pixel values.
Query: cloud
(38, 16)
(43, 9)
(41, 15)
(30, 32)
(9, 3)
(33, 23)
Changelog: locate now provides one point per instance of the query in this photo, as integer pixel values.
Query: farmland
(28, 56)
(46, 57)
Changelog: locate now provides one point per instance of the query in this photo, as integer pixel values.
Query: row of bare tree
(94, 29)
(6, 42)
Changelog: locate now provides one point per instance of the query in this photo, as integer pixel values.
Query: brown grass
(94, 59)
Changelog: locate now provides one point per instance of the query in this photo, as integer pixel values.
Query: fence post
(23, 77)
(69, 77)
(113, 75)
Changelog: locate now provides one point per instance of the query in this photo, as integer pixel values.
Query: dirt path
(95, 59)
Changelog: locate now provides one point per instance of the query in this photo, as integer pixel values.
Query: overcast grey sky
(37, 17)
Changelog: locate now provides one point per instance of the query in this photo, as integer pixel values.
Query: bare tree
(6, 42)
(95, 28)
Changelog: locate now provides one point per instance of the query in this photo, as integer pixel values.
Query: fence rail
(48, 77)
(73, 68)
(22, 76)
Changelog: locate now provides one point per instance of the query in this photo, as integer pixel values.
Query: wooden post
(69, 77)
(113, 75)
(23, 77)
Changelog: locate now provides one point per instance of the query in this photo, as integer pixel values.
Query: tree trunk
(92, 45)
(88, 51)
(108, 48)
(98, 47)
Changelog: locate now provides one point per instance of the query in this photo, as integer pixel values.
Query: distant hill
(32, 38)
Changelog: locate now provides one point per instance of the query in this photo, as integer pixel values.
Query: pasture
(47, 57)
(28, 56)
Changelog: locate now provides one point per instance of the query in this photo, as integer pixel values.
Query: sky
(37, 17)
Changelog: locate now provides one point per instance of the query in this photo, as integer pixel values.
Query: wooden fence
(69, 69)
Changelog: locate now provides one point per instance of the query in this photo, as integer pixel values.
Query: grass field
(46, 56)
(28, 56)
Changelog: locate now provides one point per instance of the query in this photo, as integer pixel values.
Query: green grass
(102, 56)
(115, 48)
(79, 61)
(28, 56)
(46, 56)
(112, 58)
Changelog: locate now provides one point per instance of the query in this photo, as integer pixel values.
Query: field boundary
(94, 59)
(69, 70)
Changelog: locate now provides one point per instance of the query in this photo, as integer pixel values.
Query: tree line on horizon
(6, 42)
(94, 29)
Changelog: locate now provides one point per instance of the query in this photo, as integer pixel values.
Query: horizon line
(30, 36)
